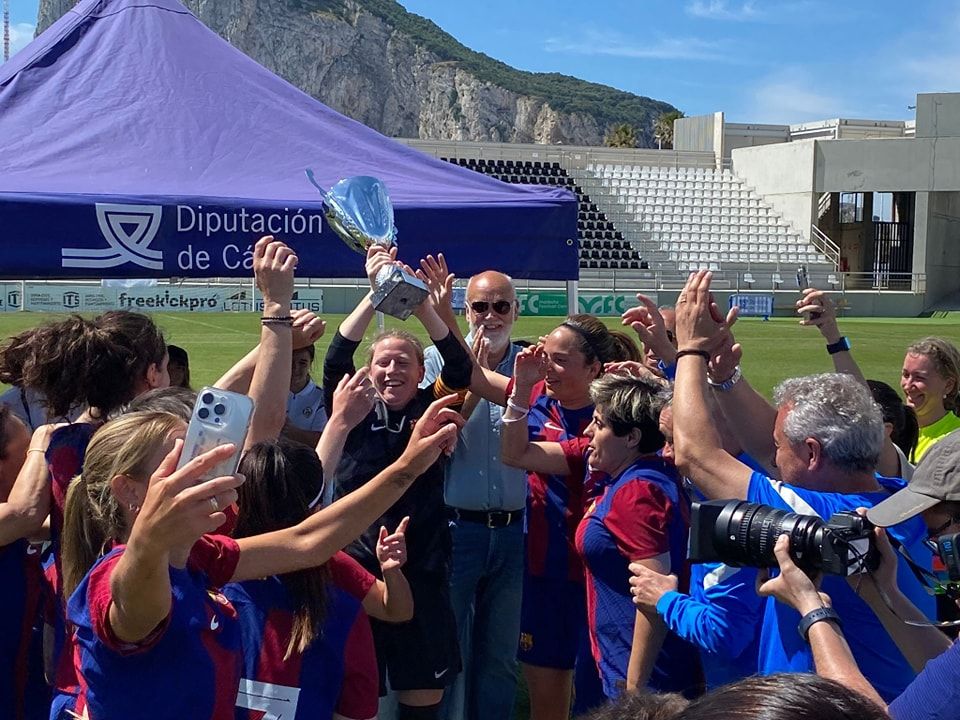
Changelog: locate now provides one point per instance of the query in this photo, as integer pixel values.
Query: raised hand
(633, 368)
(648, 323)
(434, 433)
(392, 548)
(308, 327)
(354, 397)
(648, 586)
(273, 267)
(530, 366)
(700, 325)
(481, 348)
(438, 278)
(378, 257)
(178, 508)
(724, 359)
(817, 309)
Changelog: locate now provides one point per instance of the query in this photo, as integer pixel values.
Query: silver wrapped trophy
(359, 211)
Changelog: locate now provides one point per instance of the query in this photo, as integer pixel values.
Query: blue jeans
(486, 585)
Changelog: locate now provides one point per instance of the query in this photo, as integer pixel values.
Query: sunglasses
(500, 307)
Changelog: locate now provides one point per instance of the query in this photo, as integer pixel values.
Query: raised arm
(438, 278)
(338, 360)
(307, 329)
(516, 449)
(818, 310)
(316, 539)
(749, 417)
(353, 399)
(28, 504)
(273, 267)
(699, 453)
(176, 511)
(391, 599)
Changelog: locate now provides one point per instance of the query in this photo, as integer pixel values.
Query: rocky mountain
(402, 75)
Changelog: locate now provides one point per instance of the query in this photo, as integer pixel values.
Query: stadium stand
(684, 219)
(673, 219)
(602, 245)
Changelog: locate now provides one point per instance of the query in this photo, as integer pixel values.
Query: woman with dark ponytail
(555, 406)
(901, 427)
(308, 632)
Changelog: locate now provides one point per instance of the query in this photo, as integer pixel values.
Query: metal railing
(825, 245)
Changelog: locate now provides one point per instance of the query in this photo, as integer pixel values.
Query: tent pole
(573, 297)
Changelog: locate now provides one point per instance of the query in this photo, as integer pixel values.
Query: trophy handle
(313, 181)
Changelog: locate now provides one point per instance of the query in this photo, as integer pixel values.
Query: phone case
(219, 417)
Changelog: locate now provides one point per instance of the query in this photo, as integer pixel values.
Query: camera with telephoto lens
(743, 534)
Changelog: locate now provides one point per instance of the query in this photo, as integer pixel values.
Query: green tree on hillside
(663, 129)
(621, 135)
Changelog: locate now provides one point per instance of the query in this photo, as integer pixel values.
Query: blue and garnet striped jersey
(338, 671)
(555, 503)
(186, 669)
(640, 514)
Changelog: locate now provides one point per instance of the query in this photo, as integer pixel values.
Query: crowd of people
(408, 537)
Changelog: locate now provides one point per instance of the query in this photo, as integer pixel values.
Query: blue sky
(777, 61)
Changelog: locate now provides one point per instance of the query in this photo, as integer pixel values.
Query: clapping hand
(700, 324)
(648, 323)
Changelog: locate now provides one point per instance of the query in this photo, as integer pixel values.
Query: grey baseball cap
(936, 480)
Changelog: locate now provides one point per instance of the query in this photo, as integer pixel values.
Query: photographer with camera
(826, 436)
(934, 495)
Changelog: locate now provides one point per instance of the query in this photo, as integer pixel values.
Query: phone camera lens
(203, 413)
(219, 409)
(206, 398)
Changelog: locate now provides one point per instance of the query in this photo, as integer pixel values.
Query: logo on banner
(71, 300)
(128, 230)
(13, 298)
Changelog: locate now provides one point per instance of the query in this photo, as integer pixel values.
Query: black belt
(491, 518)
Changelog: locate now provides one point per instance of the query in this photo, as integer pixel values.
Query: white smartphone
(219, 417)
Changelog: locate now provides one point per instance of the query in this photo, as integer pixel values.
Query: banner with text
(43, 297)
(542, 303)
(609, 304)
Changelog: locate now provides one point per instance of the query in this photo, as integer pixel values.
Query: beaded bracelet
(276, 320)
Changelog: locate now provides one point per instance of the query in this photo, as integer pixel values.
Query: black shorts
(422, 654)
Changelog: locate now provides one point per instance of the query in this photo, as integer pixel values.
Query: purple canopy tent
(138, 143)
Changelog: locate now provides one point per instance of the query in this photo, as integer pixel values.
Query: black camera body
(948, 547)
(743, 534)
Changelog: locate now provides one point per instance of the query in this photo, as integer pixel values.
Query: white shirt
(305, 408)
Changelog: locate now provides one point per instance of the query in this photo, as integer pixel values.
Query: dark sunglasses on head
(500, 307)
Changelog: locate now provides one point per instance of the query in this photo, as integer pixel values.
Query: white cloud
(594, 42)
(20, 36)
(931, 73)
(794, 95)
(723, 10)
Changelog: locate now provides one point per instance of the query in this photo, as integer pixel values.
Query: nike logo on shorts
(438, 675)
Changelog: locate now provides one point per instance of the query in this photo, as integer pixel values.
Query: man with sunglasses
(485, 500)
(934, 495)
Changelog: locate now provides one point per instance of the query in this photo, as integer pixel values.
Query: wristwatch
(841, 345)
(727, 385)
(815, 616)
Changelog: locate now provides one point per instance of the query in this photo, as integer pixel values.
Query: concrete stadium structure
(872, 208)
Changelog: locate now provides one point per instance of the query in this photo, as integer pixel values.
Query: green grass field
(773, 350)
